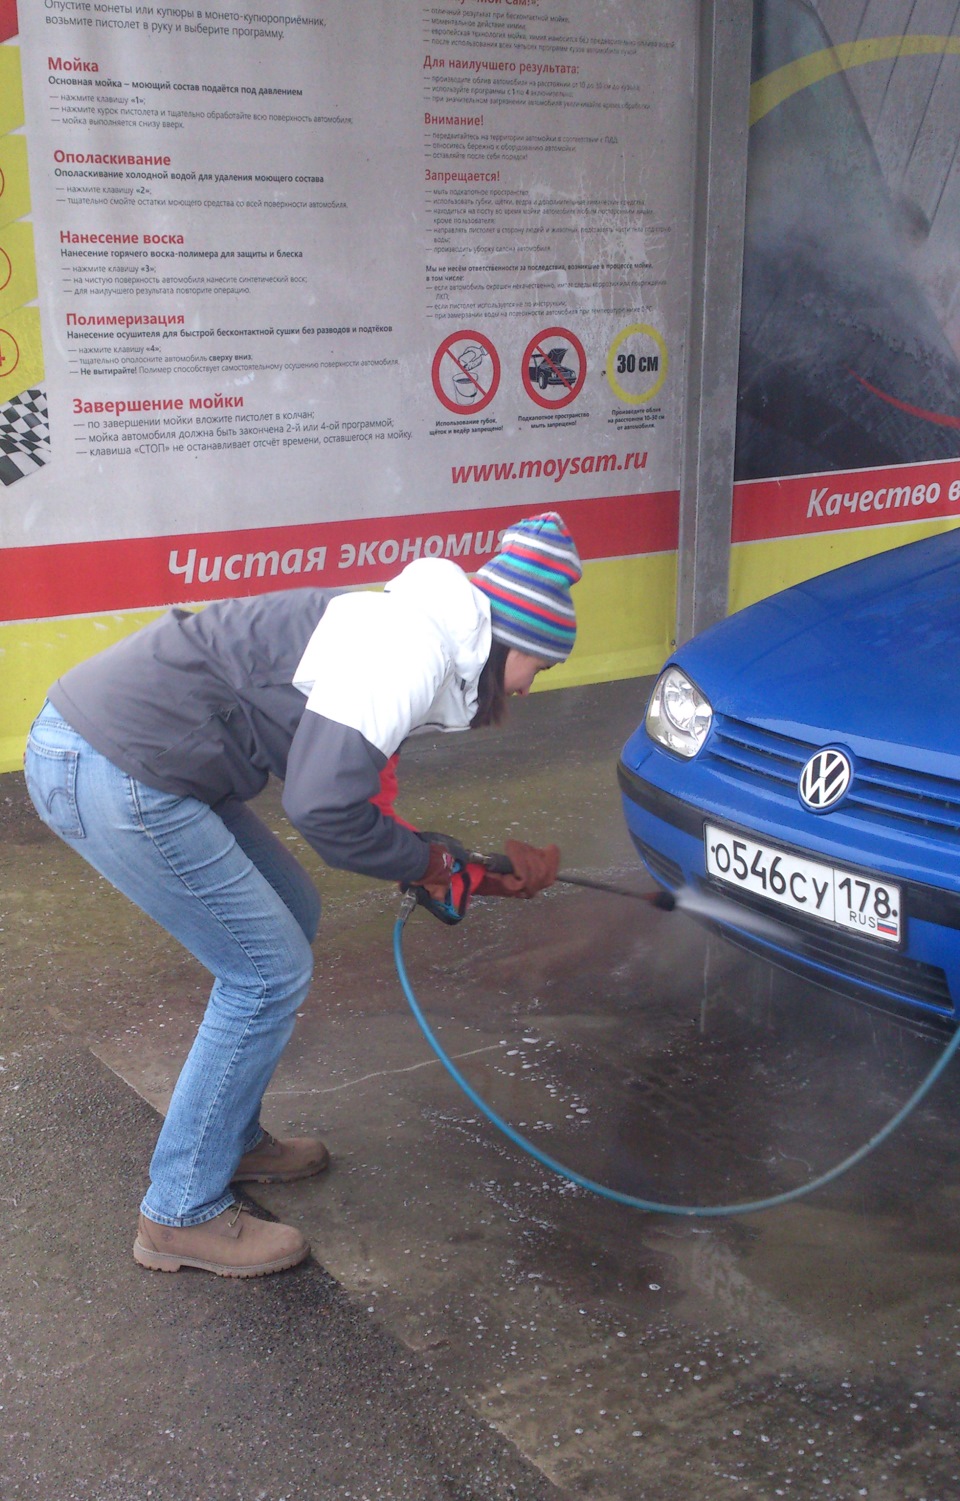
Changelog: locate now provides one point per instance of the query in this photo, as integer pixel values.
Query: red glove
(533, 870)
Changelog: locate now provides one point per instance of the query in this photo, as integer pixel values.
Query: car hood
(866, 655)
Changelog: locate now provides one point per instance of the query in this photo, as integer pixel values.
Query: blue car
(796, 778)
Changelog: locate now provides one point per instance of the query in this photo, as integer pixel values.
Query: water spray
(666, 901)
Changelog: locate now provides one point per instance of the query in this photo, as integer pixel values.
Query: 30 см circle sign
(466, 371)
(637, 363)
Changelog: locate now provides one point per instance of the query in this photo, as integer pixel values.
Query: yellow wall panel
(11, 90)
(626, 614)
(21, 352)
(14, 181)
(625, 609)
(18, 270)
(761, 568)
(34, 653)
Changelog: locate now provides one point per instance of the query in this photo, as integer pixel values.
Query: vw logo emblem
(824, 780)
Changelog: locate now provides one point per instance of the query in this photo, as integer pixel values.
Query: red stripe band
(84, 578)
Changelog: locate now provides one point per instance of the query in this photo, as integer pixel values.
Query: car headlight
(678, 716)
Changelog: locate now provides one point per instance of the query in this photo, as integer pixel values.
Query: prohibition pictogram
(9, 353)
(466, 371)
(554, 368)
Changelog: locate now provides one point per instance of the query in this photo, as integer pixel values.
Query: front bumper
(924, 972)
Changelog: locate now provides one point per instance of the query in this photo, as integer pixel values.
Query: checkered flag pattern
(24, 435)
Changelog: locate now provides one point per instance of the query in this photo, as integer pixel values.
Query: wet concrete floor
(501, 1332)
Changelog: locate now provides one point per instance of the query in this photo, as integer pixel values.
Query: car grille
(879, 793)
(851, 961)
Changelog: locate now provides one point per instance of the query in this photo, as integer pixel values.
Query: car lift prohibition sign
(544, 365)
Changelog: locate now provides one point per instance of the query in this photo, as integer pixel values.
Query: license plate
(842, 897)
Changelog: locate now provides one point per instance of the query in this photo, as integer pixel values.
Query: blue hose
(696, 1211)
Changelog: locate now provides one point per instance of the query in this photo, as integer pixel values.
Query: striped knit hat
(528, 585)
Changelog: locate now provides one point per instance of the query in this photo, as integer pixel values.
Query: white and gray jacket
(317, 688)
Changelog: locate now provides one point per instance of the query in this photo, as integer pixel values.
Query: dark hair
(491, 697)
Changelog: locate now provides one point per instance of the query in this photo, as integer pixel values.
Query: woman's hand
(533, 871)
(438, 875)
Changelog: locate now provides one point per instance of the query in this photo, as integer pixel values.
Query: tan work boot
(233, 1244)
(273, 1161)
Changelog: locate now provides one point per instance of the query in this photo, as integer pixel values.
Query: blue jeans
(223, 885)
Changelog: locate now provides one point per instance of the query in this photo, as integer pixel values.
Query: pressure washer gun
(453, 909)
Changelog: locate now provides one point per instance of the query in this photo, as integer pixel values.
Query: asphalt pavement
(469, 1326)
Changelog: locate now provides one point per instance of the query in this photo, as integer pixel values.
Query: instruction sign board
(322, 288)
